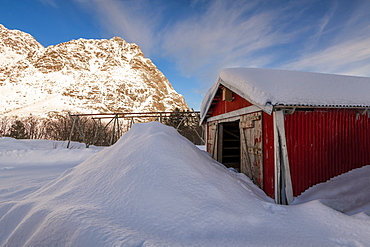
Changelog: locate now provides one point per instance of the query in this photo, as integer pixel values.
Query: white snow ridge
(155, 188)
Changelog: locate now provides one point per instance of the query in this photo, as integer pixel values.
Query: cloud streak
(322, 25)
(350, 57)
(215, 34)
(347, 50)
(224, 34)
(51, 3)
(210, 35)
(132, 20)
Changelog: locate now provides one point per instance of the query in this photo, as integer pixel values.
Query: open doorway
(231, 145)
(239, 144)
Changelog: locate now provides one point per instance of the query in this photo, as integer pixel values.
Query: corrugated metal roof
(267, 88)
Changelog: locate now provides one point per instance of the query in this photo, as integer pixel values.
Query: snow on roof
(270, 87)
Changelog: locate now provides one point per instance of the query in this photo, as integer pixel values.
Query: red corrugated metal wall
(325, 143)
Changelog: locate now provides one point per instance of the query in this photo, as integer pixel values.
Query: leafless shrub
(5, 124)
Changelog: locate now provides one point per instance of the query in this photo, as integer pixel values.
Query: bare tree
(33, 127)
(5, 124)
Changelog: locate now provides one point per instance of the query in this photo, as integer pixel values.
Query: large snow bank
(268, 87)
(155, 188)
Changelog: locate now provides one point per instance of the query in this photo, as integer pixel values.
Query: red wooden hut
(288, 130)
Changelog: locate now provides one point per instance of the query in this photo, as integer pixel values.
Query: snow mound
(347, 193)
(155, 188)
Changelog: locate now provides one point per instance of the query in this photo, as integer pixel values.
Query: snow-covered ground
(155, 188)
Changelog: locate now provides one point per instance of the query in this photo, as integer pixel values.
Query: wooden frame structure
(102, 121)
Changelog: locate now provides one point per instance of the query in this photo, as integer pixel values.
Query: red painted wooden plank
(222, 107)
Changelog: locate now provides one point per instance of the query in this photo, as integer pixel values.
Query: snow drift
(26, 165)
(155, 188)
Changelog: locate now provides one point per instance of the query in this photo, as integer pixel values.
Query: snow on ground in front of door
(155, 188)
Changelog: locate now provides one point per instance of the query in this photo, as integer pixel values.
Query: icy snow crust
(268, 87)
(155, 188)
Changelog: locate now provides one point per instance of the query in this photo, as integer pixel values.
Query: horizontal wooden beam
(141, 114)
(236, 113)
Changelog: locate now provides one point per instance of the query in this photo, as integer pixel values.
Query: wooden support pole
(98, 131)
(283, 182)
(73, 127)
(81, 131)
(118, 130)
(182, 120)
(103, 129)
(132, 122)
(113, 130)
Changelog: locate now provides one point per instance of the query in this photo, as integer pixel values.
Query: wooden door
(251, 147)
(212, 146)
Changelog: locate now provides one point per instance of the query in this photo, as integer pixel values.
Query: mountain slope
(83, 76)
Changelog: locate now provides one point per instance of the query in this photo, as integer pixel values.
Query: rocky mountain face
(81, 76)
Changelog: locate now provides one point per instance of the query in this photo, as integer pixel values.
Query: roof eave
(268, 107)
(283, 106)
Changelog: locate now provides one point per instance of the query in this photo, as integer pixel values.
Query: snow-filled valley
(155, 188)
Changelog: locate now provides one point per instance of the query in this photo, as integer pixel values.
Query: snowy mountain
(83, 76)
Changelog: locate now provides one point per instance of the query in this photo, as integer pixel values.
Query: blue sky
(190, 41)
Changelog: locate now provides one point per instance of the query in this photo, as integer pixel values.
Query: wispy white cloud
(51, 3)
(322, 25)
(226, 34)
(346, 52)
(134, 21)
(351, 57)
(212, 35)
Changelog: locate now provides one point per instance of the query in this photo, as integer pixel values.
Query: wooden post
(73, 127)
(113, 130)
(182, 120)
(132, 122)
(81, 131)
(219, 142)
(77, 121)
(196, 132)
(98, 131)
(118, 130)
(283, 182)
